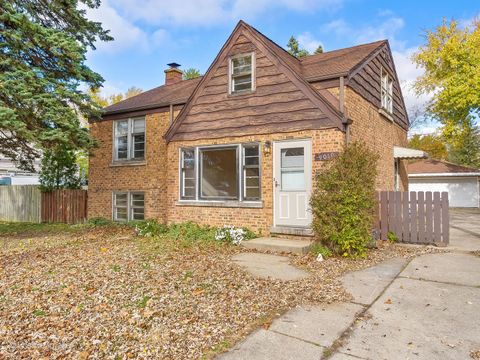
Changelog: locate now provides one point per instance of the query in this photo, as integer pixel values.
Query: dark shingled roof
(336, 62)
(314, 67)
(431, 166)
(158, 97)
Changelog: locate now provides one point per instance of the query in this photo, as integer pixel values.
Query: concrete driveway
(465, 229)
(428, 308)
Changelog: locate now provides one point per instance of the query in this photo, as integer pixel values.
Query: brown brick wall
(104, 177)
(380, 134)
(158, 177)
(259, 220)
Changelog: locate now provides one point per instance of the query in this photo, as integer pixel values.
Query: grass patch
(25, 228)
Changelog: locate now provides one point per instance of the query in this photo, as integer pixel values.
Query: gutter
(423, 175)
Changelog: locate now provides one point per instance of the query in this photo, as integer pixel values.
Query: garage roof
(432, 167)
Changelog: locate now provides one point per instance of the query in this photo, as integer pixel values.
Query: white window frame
(130, 135)
(241, 172)
(231, 81)
(129, 207)
(386, 91)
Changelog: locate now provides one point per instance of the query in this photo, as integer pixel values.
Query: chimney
(173, 74)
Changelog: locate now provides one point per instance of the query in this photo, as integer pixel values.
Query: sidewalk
(427, 309)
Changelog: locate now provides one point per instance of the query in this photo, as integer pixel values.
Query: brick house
(241, 145)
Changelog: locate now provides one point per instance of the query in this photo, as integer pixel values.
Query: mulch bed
(104, 293)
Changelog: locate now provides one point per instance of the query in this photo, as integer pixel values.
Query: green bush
(392, 237)
(343, 201)
(149, 228)
(318, 249)
(99, 221)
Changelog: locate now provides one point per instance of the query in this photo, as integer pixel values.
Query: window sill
(241, 93)
(224, 204)
(385, 114)
(128, 163)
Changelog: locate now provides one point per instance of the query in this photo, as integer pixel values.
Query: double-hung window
(242, 71)
(229, 172)
(129, 143)
(387, 92)
(128, 206)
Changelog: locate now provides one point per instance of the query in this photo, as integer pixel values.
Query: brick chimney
(173, 74)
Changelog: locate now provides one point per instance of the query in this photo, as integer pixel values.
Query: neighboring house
(11, 175)
(462, 183)
(241, 145)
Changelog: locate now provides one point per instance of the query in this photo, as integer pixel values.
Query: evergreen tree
(42, 64)
(59, 170)
(293, 47)
(319, 50)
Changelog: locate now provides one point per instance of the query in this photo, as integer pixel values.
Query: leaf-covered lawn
(105, 293)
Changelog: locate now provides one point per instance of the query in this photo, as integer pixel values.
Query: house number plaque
(324, 156)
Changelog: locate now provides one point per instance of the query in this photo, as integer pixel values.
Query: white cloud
(308, 42)
(386, 29)
(125, 33)
(211, 12)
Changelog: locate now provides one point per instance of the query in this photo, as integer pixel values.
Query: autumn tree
(43, 46)
(104, 101)
(432, 144)
(451, 62)
(191, 73)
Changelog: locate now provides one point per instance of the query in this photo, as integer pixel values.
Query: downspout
(171, 114)
(341, 98)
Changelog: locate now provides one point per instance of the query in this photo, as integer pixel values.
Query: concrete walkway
(427, 309)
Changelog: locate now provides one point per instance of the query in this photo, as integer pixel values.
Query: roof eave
(460, 174)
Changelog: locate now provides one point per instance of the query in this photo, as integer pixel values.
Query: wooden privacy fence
(414, 217)
(65, 206)
(20, 203)
(26, 203)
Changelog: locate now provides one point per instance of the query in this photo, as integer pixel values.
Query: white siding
(462, 191)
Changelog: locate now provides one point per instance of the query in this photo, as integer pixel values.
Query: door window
(292, 170)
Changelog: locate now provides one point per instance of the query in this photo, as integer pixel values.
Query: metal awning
(406, 153)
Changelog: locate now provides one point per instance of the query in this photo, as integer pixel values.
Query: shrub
(233, 234)
(99, 221)
(343, 201)
(392, 237)
(318, 248)
(150, 228)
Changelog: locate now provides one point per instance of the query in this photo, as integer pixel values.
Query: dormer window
(242, 73)
(387, 92)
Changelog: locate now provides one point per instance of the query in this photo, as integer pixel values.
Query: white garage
(461, 183)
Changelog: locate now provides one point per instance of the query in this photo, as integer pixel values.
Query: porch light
(267, 147)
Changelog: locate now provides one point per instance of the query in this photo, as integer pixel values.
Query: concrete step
(278, 245)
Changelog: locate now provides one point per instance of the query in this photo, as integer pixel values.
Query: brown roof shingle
(311, 68)
(336, 62)
(158, 97)
(431, 166)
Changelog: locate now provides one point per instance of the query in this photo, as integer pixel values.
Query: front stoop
(278, 245)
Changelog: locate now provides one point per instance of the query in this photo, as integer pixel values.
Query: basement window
(129, 139)
(220, 173)
(128, 206)
(241, 71)
(387, 92)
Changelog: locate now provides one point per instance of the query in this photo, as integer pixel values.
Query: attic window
(242, 73)
(387, 92)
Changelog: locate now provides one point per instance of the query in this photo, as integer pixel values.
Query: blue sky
(151, 33)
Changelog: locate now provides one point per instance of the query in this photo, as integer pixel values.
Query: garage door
(462, 192)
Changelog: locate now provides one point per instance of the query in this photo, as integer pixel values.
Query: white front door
(292, 182)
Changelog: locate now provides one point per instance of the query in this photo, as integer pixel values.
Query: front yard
(102, 292)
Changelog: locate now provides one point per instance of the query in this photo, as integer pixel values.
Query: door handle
(276, 182)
